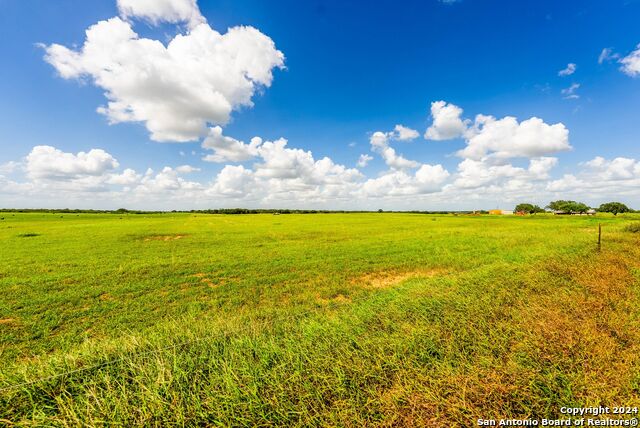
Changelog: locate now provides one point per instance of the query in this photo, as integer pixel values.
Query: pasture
(376, 319)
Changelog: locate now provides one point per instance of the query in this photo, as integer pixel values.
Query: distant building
(500, 212)
(589, 212)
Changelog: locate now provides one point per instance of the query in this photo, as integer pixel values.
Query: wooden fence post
(599, 235)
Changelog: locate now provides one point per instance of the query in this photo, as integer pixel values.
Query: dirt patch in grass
(204, 278)
(163, 237)
(105, 296)
(386, 279)
(7, 321)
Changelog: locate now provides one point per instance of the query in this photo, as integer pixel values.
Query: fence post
(599, 235)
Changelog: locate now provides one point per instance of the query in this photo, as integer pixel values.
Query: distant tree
(524, 208)
(528, 208)
(380, 210)
(568, 206)
(579, 207)
(614, 207)
(559, 205)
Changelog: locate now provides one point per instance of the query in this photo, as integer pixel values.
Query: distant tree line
(216, 211)
(561, 205)
(573, 207)
(222, 211)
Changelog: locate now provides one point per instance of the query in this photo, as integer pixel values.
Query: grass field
(314, 320)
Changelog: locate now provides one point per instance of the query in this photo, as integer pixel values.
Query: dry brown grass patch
(386, 279)
(586, 333)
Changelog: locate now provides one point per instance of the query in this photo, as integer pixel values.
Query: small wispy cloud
(570, 92)
(571, 68)
(607, 55)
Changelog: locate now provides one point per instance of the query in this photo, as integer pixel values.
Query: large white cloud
(507, 138)
(46, 162)
(282, 163)
(447, 122)
(631, 63)
(157, 11)
(602, 179)
(427, 179)
(616, 169)
(175, 90)
(474, 174)
(501, 138)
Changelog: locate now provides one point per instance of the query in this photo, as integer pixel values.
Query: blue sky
(350, 69)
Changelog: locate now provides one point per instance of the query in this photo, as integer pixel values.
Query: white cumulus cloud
(447, 122)
(427, 179)
(157, 11)
(498, 138)
(619, 168)
(46, 162)
(175, 90)
(380, 144)
(507, 138)
(474, 174)
(234, 181)
(631, 63)
(282, 163)
(402, 133)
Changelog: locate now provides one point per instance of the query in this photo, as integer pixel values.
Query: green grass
(314, 320)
